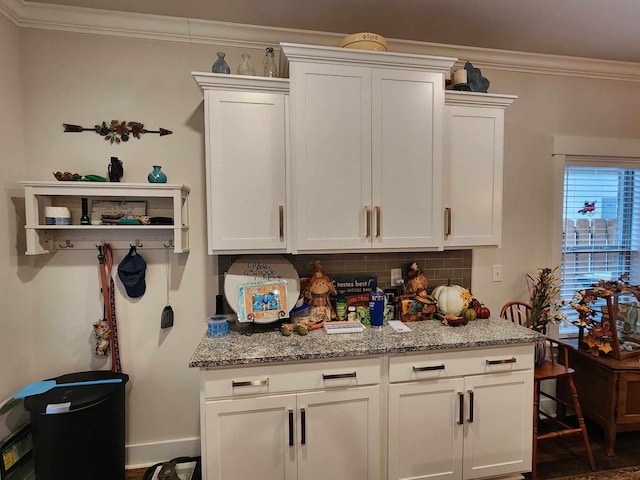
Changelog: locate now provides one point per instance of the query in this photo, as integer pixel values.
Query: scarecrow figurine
(317, 296)
(417, 283)
(415, 303)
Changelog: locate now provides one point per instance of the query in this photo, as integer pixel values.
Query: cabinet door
(246, 439)
(246, 170)
(407, 109)
(331, 128)
(425, 433)
(339, 435)
(628, 408)
(498, 424)
(473, 175)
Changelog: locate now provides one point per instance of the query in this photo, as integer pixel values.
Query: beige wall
(16, 318)
(84, 79)
(546, 105)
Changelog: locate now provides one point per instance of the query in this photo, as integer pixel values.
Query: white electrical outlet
(396, 277)
(496, 274)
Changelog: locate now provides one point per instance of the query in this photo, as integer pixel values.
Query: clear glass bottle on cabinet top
(270, 68)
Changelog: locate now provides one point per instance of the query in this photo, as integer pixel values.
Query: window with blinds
(601, 233)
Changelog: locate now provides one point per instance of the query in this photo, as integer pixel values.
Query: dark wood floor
(136, 474)
(567, 456)
(562, 457)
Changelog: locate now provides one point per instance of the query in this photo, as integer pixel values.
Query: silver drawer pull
(497, 362)
(426, 369)
(338, 375)
(252, 383)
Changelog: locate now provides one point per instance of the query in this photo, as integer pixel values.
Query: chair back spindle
(517, 312)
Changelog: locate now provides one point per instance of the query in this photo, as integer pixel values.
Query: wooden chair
(555, 366)
(517, 312)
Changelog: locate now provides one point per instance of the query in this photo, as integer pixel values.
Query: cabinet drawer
(426, 366)
(260, 380)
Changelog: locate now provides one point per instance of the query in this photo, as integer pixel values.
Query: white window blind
(601, 233)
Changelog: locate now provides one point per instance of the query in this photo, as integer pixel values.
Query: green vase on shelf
(157, 176)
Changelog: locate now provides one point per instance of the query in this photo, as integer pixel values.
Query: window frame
(586, 151)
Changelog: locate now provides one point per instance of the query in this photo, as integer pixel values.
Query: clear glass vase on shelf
(270, 68)
(245, 67)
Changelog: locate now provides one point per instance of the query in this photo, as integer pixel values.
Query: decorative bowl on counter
(364, 41)
(67, 176)
(454, 321)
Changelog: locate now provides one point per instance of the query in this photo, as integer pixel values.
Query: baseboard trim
(141, 455)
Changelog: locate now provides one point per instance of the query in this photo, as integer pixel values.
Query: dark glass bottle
(219, 304)
(84, 219)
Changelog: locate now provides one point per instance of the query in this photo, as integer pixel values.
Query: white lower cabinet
(498, 436)
(333, 432)
(444, 423)
(455, 415)
(341, 437)
(423, 444)
(249, 438)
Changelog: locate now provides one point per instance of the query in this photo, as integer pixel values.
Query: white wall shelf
(163, 200)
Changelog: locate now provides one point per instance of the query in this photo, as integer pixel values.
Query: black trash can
(78, 431)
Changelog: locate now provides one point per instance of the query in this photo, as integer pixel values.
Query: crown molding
(322, 54)
(243, 83)
(476, 99)
(157, 27)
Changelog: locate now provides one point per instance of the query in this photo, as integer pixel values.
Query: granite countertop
(268, 345)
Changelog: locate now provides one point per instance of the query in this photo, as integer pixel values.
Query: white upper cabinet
(246, 159)
(357, 151)
(366, 148)
(473, 163)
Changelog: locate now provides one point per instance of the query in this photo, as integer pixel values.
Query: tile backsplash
(438, 267)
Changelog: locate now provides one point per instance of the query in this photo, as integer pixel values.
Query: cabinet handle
(303, 426)
(460, 408)
(291, 428)
(367, 210)
(281, 220)
(378, 219)
(447, 221)
(333, 376)
(252, 383)
(498, 362)
(426, 369)
(470, 405)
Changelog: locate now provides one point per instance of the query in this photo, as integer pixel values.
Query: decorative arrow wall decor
(116, 131)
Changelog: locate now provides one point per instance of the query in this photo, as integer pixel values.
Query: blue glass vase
(220, 65)
(157, 176)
